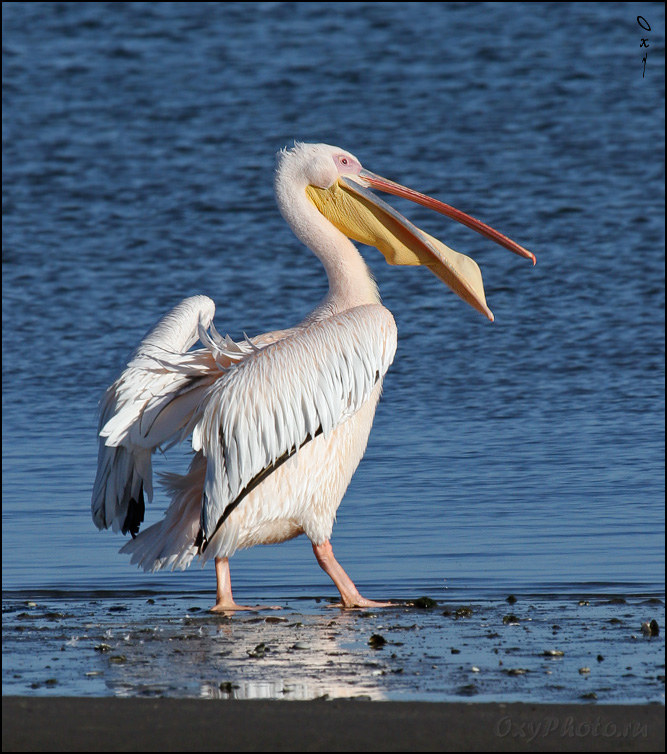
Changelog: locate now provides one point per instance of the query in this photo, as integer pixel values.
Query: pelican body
(278, 422)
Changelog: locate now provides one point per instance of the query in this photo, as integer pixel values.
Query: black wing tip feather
(135, 515)
(200, 544)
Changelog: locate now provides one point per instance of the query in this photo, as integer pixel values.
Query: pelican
(279, 422)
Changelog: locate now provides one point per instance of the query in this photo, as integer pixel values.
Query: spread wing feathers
(285, 393)
(149, 406)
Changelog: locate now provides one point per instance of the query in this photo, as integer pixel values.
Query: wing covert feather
(285, 393)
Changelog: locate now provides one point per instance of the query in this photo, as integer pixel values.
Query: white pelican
(278, 422)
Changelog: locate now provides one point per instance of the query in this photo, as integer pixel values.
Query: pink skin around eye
(346, 164)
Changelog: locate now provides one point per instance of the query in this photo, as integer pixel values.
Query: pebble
(651, 628)
(425, 603)
(259, 651)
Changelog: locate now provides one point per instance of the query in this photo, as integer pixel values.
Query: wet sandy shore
(534, 650)
(158, 672)
(76, 724)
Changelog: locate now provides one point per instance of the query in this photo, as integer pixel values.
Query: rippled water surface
(525, 455)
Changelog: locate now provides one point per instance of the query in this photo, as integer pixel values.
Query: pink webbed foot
(361, 603)
(226, 607)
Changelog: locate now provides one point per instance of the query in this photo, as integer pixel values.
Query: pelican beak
(363, 217)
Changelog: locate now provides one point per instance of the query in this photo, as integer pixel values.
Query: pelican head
(334, 181)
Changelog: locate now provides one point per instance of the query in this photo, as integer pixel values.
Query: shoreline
(549, 652)
(134, 724)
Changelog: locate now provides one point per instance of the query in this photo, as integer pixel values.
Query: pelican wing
(283, 395)
(149, 406)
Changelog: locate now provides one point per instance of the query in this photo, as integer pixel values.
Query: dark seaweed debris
(425, 603)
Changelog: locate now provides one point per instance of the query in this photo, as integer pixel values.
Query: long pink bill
(390, 187)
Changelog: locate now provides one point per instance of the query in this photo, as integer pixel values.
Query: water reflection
(481, 649)
(287, 690)
(246, 658)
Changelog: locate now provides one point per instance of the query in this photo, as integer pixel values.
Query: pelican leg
(224, 601)
(349, 595)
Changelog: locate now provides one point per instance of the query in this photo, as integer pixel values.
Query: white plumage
(279, 422)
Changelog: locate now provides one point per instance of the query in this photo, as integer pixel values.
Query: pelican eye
(343, 161)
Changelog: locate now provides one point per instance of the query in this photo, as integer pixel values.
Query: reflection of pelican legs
(349, 594)
(223, 597)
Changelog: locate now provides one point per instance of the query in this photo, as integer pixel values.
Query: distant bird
(279, 422)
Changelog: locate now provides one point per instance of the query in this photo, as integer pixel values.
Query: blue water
(525, 455)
